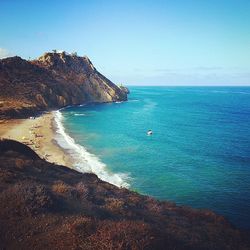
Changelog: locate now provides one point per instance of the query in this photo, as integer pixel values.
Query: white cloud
(4, 53)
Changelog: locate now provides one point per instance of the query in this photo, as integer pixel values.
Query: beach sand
(38, 134)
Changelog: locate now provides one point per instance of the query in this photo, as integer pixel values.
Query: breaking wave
(84, 161)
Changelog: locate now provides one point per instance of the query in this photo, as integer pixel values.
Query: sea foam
(84, 161)
(80, 114)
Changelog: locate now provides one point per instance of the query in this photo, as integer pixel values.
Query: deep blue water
(198, 155)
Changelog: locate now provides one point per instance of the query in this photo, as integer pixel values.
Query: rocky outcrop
(45, 206)
(124, 89)
(54, 80)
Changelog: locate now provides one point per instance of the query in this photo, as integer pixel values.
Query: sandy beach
(38, 134)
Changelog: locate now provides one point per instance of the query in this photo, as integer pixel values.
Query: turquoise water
(198, 155)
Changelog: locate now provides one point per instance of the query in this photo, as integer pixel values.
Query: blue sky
(177, 42)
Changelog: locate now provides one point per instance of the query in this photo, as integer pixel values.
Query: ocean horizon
(197, 156)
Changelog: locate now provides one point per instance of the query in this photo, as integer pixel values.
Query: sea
(198, 154)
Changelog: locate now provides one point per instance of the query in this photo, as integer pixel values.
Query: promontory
(52, 81)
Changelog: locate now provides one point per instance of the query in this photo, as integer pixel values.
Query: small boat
(150, 132)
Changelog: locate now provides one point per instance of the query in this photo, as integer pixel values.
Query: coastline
(39, 135)
(46, 135)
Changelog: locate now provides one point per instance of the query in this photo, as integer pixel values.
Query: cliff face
(45, 206)
(54, 80)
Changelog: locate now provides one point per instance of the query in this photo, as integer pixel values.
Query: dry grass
(64, 209)
(60, 187)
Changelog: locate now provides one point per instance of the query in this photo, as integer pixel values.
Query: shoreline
(42, 134)
(39, 135)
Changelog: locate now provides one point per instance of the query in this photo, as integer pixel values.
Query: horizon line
(188, 85)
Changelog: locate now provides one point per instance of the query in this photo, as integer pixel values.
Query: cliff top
(71, 61)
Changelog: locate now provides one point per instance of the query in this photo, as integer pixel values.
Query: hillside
(46, 206)
(52, 81)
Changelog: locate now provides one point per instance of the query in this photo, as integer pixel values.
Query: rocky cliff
(54, 80)
(45, 206)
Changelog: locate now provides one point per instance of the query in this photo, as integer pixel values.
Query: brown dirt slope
(54, 80)
(45, 206)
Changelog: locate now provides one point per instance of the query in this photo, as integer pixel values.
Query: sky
(177, 42)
